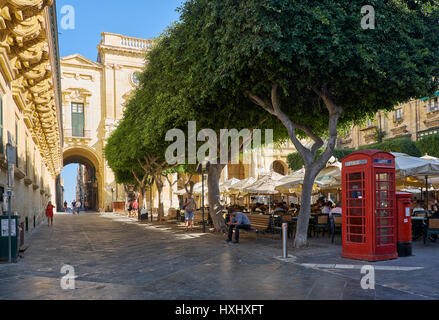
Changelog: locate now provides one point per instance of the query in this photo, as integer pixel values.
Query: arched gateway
(93, 183)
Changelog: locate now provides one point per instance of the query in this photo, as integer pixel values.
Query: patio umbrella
(225, 186)
(330, 177)
(266, 185)
(416, 167)
(239, 187)
(293, 181)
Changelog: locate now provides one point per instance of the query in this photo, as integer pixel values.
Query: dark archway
(87, 182)
(280, 167)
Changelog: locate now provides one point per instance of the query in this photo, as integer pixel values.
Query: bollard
(285, 240)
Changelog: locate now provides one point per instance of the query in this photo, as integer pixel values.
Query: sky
(135, 18)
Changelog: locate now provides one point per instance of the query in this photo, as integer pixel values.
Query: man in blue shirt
(238, 221)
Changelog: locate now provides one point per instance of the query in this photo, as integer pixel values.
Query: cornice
(122, 51)
(29, 60)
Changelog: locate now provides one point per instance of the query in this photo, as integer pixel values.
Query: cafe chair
(321, 225)
(338, 223)
(432, 230)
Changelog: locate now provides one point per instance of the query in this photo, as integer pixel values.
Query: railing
(141, 44)
(428, 132)
(117, 40)
(68, 133)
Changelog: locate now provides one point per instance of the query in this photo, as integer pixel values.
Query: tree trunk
(159, 185)
(144, 201)
(301, 239)
(215, 207)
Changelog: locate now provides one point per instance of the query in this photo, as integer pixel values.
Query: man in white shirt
(78, 206)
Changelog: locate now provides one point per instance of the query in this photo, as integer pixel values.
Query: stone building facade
(413, 120)
(30, 109)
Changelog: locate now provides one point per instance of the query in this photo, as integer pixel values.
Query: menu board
(5, 228)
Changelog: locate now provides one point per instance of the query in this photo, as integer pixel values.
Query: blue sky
(135, 18)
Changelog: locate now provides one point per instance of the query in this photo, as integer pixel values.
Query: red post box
(404, 244)
(369, 206)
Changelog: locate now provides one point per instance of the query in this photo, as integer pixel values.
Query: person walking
(130, 208)
(65, 206)
(49, 213)
(189, 208)
(78, 206)
(136, 208)
(73, 206)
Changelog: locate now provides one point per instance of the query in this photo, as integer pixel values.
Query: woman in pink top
(136, 207)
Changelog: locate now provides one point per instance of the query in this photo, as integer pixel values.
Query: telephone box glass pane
(384, 209)
(356, 208)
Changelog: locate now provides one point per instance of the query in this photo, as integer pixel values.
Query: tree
(171, 94)
(311, 65)
(429, 145)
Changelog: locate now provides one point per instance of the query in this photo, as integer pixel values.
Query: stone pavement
(117, 258)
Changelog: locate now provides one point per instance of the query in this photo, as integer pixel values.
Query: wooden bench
(259, 223)
(198, 217)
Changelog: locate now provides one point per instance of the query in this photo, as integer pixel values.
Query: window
(433, 105)
(384, 208)
(77, 119)
(369, 123)
(1, 126)
(398, 114)
(355, 208)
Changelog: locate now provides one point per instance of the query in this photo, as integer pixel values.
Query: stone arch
(280, 167)
(89, 157)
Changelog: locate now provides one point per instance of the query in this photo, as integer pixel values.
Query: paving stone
(118, 258)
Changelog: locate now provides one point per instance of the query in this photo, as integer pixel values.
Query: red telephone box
(369, 206)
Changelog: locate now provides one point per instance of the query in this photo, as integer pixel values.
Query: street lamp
(201, 169)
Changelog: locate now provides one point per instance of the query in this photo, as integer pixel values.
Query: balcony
(117, 40)
(422, 134)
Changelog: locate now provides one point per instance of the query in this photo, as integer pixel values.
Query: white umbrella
(241, 185)
(225, 186)
(330, 176)
(265, 185)
(291, 181)
(416, 167)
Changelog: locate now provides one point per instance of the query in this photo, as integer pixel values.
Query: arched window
(279, 167)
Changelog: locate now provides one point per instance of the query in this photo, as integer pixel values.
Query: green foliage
(303, 45)
(295, 160)
(339, 154)
(379, 135)
(429, 145)
(402, 145)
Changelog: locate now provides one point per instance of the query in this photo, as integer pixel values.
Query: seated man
(238, 221)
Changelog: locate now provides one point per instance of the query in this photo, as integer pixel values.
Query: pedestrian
(238, 221)
(136, 208)
(74, 206)
(86, 205)
(189, 208)
(65, 206)
(49, 213)
(78, 206)
(130, 208)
